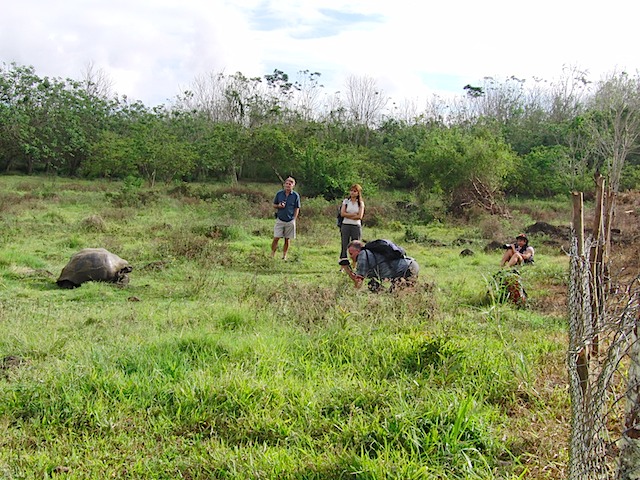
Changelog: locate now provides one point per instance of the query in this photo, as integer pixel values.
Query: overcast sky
(154, 49)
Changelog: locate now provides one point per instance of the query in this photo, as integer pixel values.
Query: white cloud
(154, 49)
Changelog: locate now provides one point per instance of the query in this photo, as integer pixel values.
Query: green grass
(217, 361)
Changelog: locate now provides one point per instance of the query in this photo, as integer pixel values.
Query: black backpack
(386, 248)
(339, 217)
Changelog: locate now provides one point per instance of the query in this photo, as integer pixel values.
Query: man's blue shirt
(292, 202)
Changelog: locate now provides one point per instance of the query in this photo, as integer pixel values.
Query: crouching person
(379, 267)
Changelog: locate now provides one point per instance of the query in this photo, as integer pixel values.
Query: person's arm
(276, 204)
(353, 216)
(358, 275)
(295, 214)
(528, 253)
(357, 279)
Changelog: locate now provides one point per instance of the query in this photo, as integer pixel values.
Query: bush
(328, 174)
(506, 285)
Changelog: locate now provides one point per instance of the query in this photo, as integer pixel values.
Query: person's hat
(522, 236)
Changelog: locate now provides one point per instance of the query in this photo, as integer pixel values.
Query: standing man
(287, 205)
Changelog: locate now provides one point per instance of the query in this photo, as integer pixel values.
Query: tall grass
(217, 361)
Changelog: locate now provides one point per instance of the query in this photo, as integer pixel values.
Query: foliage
(541, 173)
(396, 144)
(456, 161)
(328, 174)
(221, 150)
(46, 124)
(112, 156)
(219, 361)
(501, 136)
(630, 177)
(614, 123)
(272, 151)
(507, 286)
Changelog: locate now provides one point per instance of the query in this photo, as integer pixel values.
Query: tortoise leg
(66, 284)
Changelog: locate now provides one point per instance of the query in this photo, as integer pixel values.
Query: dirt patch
(493, 245)
(553, 302)
(625, 237)
(10, 364)
(561, 233)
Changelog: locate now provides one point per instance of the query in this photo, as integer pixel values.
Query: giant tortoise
(94, 264)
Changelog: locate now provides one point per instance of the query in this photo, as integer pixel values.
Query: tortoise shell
(94, 264)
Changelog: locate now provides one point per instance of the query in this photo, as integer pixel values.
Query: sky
(152, 50)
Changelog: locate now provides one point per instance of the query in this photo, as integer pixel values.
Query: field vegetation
(217, 361)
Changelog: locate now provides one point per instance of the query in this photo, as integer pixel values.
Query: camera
(507, 246)
(375, 286)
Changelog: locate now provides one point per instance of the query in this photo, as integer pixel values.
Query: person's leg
(285, 248)
(515, 259)
(347, 234)
(278, 233)
(345, 239)
(414, 270)
(409, 279)
(289, 232)
(506, 257)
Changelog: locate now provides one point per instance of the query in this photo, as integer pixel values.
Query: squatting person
(377, 267)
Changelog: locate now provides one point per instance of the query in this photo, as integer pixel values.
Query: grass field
(219, 362)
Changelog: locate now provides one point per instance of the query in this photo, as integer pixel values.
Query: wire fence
(604, 371)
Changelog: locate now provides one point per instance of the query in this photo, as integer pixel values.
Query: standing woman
(352, 211)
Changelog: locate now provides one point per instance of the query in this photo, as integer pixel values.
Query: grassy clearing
(218, 362)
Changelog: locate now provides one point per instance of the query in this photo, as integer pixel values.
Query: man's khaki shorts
(284, 229)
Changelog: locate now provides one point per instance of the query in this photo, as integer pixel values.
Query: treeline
(530, 138)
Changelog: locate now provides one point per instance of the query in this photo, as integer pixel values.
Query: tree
(96, 82)
(614, 122)
(468, 166)
(271, 150)
(567, 95)
(364, 103)
(543, 172)
(46, 124)
(112, 156)
(500, 100)
(221, 147)
(307, 100)
(224, 98)
(328, 173)
(16, 84)
(159, 152)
